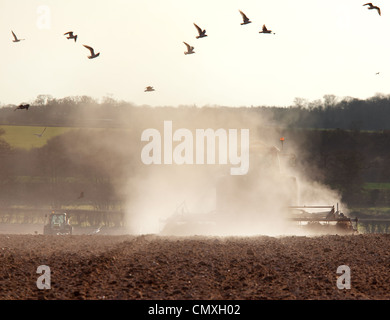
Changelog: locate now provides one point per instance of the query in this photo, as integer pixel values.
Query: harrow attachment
(330, 220)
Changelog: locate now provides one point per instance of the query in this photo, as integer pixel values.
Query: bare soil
(156, 267)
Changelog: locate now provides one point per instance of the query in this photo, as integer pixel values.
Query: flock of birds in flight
(69, 35)
(190, 49)
(202, 32)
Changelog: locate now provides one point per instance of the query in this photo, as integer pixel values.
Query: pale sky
(320, 47)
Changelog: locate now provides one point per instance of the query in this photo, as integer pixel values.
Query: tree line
(331, 112)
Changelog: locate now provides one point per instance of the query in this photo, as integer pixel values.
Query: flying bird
(93, 55)
(81, 195)
(202, 33)
(39, 135)
(190, 49)
(22, 106)
(371, 6)
(244, 18)
(265, 30)
(377, 73)
(71, 36)
(149, 88)
(15, 37)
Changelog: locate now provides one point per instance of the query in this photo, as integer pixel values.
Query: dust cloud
(205, 199)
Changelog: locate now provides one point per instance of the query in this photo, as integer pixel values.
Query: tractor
(58, 224)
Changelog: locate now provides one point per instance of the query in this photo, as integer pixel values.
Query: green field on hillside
(377, 185)
(25, 137)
